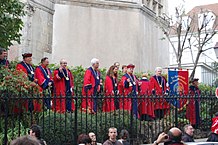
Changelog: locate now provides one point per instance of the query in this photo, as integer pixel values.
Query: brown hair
(110, 71)
(25, 140)
(83, 139)
(123, 66)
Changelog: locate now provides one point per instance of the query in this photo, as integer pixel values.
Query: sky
(188, 4)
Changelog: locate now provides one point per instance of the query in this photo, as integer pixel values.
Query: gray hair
(94, 60)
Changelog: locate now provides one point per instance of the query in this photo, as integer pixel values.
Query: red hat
(27, 55)
(131, 66)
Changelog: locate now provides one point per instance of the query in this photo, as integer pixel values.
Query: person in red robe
(146, 106)
(213, 137)
(130, 83)
(43, 76)
(63, 86)
(91, 86)
(110, 89)
(120, 85)
(193, 108)
(26, 67)
(159, 88)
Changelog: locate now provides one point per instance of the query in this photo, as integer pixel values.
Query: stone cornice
(106, 4)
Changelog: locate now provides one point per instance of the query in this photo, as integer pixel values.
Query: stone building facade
(111, 30)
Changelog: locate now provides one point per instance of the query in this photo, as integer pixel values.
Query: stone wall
(37, 31)
(111, 31)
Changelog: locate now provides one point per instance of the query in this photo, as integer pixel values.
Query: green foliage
(207, 88)
(59, 127)
(11, 23)
(16, 127)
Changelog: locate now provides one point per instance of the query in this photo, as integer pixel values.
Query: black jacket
(187, 138)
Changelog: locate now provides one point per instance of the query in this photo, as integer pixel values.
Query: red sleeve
(55, 76)
(87, 78)
(39, 76)
(152, 83)
(108, 86)
(20, 67)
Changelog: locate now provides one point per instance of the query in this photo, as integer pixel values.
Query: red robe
(125, 102)
(43, 78)
(91, 85)
(24, 68)
(146, 106)
(160, 102)
(214, 127)
(192, 109)
(108, 104)
(60, 85)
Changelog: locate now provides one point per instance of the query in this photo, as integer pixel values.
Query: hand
(57, 76)
(163, 137)
(61, 69)
(71, 89)
(128, 80)
(49, 84)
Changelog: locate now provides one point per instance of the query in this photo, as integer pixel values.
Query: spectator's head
(63, 63)
(117, 64)
(112, 133)
(2, 56)
(92, 136)
(124, 68)
(35, 131)
(44, 61)
(25, 140)
(175, 136)
(188, 129)
(130, 68)
(124, 134)
(158, 71)
(216, 114)
(27, 57)
(84, 139)
(95, 63)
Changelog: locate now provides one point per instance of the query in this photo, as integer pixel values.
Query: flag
(179, 85)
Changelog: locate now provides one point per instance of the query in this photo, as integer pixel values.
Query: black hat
(194, 80)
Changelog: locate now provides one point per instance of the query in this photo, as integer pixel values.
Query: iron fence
(19, 112)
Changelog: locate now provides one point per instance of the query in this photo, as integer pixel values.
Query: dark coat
(187, 138)
(109, 142)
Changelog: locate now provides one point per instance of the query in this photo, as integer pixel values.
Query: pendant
(115, 85)
(67, 78)
(97, 78)
(161, 86)
(48, 76)
(134, 83)
(130, 84)
(32, 72)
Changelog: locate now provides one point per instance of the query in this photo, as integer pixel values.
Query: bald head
(175, 134)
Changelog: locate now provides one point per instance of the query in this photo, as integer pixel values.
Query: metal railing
(19, 112)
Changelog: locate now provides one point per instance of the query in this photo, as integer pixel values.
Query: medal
(160, 86)
(97, 77)
(32, 72)
(134, 83)
(67, 78)
(48, 76)
(130, 84)
(115, 84)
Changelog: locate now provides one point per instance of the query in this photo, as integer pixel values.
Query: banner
(179, 85)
